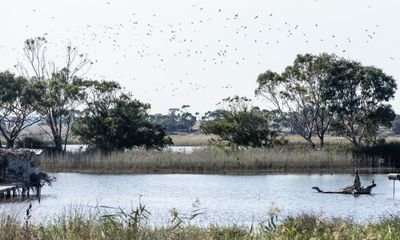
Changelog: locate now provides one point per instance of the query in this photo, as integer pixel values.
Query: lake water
(223, 199)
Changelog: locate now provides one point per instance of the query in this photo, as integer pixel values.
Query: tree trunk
(58, 144)
(310, 142)
(355, 142)
(10, 143)
(321, 141)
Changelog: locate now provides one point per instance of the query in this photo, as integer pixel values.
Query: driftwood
(355, 189)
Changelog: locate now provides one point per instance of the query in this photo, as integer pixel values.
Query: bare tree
(60, 89)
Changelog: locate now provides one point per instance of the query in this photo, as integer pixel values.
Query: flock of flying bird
(188, 41)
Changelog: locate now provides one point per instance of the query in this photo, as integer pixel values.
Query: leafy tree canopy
(298, 94)
(16, 106)
(114, 121)
(240, 124)
(325, 92)
(359, 96)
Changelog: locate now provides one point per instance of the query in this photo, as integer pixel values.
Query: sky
(182, 52)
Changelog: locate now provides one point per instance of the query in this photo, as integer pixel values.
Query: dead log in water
(355, 189)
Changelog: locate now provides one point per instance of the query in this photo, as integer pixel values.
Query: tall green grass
(206, 160)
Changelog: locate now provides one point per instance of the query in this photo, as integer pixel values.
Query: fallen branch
(355, 189)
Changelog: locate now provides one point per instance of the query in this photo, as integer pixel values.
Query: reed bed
(202, 139)
(191, 139)
(205, 160)
(134, 224)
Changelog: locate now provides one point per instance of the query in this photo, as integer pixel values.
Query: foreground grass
(134, 225)
(207, 160)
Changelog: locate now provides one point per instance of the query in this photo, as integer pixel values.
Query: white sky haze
(176, 52)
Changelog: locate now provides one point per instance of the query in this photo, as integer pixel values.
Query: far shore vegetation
(329, 114)
(213, 160)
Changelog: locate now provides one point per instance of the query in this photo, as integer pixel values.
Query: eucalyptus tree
(16, 106)
(186, 119)
(113, 120)
(60, 88)
(325, 92)
(360, 95)
(240, 124)
(298, 94)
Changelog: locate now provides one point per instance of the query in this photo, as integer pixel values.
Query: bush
(242, 125)
(30, 142)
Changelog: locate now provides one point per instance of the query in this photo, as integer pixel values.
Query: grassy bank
(208, 160)
(134, 225)
(190, 139)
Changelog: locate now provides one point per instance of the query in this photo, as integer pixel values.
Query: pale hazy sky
(175, 52)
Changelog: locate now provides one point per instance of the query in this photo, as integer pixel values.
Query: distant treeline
(315, 96)
(178, 120)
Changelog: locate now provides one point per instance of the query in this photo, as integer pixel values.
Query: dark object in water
(18, 174)
(355, 189)
(394, 176)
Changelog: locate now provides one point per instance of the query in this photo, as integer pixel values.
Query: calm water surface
(223, 199)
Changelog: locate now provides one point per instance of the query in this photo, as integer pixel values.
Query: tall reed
(205, 160)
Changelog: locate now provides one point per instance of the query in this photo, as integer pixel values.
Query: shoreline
(363, 171)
